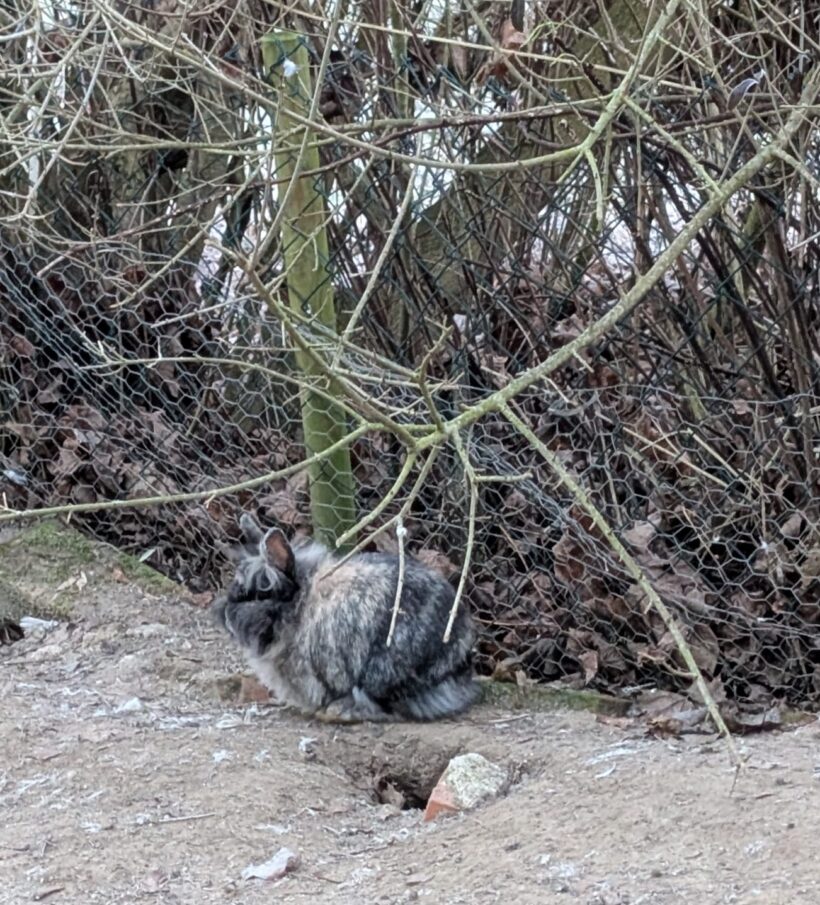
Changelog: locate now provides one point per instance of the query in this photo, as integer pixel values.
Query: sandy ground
(129, 772)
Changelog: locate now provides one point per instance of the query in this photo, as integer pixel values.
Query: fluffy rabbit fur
(315, 632)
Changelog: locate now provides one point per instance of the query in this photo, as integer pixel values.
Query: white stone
(472, 779)
(280, 864)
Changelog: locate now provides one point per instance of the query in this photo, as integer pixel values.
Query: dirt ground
(129, 772)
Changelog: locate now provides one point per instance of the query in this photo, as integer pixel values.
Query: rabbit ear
(250, 528)
(277, 551)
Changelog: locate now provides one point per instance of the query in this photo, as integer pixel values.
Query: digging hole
(403, 792)
(405, 775)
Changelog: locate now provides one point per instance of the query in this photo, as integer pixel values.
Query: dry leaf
(458, 55)
(793, 525)
(589, 662)
(511, 37)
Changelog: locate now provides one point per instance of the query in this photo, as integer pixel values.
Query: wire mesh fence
(600, 225)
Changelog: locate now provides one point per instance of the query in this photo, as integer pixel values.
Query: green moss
(51, 552)
(144, 576)
(792, 719)
(50, 537)
(15, 603)
(550, 697)
(46, 553)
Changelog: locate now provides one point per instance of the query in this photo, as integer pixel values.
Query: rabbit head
(266, 567)
(263, 593)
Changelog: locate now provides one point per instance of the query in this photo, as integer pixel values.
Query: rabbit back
(345, 627)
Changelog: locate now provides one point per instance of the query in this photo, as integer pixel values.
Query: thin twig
(472, 488)
(183, 819)
(401, 533)
(161, 500)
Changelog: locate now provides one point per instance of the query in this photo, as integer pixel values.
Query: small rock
(307, 747)
(204, 599)
(417, 879)
(283, 862)
(252, 691)
(32, 623)
(441, 801)
(132, 705)
(468, 780)
(278, 829)
(148, 630)
(153, 882)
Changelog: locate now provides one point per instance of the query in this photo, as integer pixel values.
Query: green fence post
(310, 290)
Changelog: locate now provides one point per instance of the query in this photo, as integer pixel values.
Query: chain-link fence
(562, 239)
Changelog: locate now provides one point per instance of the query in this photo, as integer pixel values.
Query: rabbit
(315, 631)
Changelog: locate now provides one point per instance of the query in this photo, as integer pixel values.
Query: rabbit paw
(355, 707)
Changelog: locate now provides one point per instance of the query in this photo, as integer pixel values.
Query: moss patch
(144, 576)
(49, 538)
(550, 697)
(16, 603)
(47, 553)
(41, 558)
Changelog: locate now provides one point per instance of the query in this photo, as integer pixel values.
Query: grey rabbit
(315, 631)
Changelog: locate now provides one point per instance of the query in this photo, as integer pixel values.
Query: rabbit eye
(265, 583)
(287, 591)
(236, 591)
